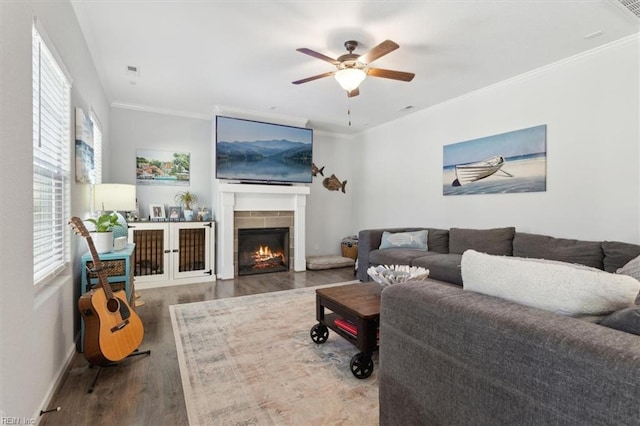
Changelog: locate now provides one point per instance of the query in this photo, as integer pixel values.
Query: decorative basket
(349, 250)
(386, 275)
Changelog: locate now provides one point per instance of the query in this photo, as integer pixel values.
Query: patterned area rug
(249, 360)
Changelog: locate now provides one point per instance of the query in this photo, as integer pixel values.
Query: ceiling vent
(632, 6)
(132, 70)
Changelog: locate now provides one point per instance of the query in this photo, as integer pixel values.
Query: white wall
(590, 104)
(132, 130)
(329, 212)
(37, 329)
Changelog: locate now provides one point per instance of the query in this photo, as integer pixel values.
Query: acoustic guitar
(112, 329)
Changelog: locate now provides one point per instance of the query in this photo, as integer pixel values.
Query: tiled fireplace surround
(263, 219)
(260, 206)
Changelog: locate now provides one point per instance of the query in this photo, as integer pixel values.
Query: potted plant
(187, 199)
(103, 235)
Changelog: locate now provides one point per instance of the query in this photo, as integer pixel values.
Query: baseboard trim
(171, 283)
(53, 387)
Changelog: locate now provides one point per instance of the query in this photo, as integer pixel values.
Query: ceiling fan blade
(315, 77)
(382, 49)
(394, 75)
(354, 92)
(318, 55)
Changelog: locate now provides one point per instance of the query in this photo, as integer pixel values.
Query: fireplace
(236, 199)
(263, 250)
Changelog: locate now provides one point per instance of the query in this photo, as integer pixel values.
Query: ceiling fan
(352, 68)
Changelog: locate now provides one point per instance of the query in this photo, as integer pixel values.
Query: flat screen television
(253, 151)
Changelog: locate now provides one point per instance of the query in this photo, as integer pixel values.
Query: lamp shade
(114, 197)
(350, 78)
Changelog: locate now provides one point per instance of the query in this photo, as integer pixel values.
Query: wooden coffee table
(356, 307)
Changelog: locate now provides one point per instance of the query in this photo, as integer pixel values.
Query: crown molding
(260, 116)
(174, 112)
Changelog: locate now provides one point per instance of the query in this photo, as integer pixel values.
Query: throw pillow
(627, 320)
(632, 268)
(416, 240)
(560, 287)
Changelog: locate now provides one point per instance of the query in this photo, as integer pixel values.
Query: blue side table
(117, 267)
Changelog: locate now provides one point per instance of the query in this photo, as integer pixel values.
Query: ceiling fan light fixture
(350, 78)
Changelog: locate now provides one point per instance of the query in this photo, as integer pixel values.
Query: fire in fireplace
(262, 250)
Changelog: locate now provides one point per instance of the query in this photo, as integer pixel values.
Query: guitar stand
(113, 364)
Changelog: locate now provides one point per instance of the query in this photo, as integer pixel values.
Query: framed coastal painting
(505, 163)
(162, 167)
(85, 171)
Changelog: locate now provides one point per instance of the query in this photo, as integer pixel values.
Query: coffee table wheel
(319, 333)
(361, 365)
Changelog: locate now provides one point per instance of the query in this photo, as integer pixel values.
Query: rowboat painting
(472, 172)
(504, 163)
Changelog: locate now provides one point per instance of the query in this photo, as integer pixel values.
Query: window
(97, 148)
(51, 171)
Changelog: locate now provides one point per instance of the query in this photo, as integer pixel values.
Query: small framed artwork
(156, 211)
(162, 167)
(174, 213)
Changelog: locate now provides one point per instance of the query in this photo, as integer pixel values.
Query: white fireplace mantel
(245, 197)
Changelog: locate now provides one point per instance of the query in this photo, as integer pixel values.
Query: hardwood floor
(147, 390)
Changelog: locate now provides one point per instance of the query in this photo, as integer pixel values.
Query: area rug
(249, 360)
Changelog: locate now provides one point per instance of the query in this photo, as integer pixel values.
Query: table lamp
(115, 197)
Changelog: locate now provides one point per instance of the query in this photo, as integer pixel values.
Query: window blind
(51, 171)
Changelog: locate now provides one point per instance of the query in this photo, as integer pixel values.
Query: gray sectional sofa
(455, 357)
(450, 356)
(445, 249)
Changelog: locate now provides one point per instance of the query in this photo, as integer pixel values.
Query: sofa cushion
(491, 241)
(416, 240)
(393, 256)
(442, 267)
(587, 253)
(438, 240)
(617, 254)
(632, 268)
(627, 320)
(559, 287)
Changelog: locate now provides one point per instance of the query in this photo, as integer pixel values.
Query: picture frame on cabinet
(156, 211)
(175, 213)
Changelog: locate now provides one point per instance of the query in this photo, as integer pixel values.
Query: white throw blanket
(559, 287)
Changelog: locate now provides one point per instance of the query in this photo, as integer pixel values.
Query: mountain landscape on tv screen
(264, 160)
(282, 150)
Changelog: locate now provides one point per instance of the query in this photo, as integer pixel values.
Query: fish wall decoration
(315, 170)
(332, 183)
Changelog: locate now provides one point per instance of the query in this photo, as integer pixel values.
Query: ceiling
(195, 58)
